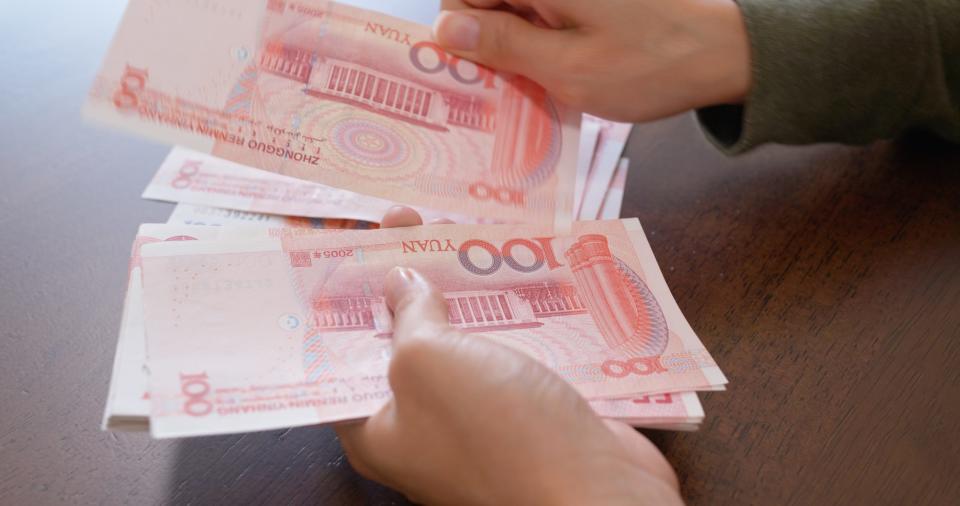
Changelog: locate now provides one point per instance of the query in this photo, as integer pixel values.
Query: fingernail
(402, 282)
(405, 274)
(410, 279)
(454, 30)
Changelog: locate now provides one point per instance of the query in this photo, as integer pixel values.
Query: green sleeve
(849, 71)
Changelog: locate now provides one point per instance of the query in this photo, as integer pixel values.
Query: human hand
(625, 60)
(474, 422)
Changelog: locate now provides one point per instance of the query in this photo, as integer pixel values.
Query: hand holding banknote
(341, 96)
(673, 55)
(474, 422)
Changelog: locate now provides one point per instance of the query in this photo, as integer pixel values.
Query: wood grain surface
(825, 280)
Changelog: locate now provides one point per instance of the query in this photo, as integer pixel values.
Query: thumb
(500, 40)
(419, 309)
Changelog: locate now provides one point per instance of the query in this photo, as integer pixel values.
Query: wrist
(725, 63)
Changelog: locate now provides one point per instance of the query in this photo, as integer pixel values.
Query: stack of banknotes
(259, 304)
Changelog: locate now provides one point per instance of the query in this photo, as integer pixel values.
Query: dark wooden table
(825, 280)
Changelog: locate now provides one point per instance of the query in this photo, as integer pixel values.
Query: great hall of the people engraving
(615, 297)
(517, 113)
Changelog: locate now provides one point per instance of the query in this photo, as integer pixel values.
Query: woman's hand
(473, 422)
(627, 60)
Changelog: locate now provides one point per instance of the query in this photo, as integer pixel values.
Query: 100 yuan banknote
(128, 400)
(613, 200)
(344, 97)
(294, 331)
(611, 142)
(190, 177)
(202, 216)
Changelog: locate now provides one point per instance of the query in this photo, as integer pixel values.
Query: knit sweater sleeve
(849, 71)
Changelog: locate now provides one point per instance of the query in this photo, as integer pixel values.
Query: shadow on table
(297, 466)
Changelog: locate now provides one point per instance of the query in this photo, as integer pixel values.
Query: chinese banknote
(259, 305)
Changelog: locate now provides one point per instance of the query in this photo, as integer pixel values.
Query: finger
(644, 453)
(512, 5)
(545, 17)
(449, 5)
(401, 216)
(484, 4)
(366, 445)
(352, 438)
(419, 309)
(442, 221)
(501, 40)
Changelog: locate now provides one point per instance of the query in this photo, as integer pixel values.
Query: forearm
(851, 72)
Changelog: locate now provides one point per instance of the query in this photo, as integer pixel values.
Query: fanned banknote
(204, 182)
(613, 200)
(677, 411)
(190, 177)
(340, 96)
(589, 139)
(128, 401)
(255, 335)
(344, 97)
(611, 141)
(203, 216)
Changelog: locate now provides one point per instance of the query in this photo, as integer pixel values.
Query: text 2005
(333, 253)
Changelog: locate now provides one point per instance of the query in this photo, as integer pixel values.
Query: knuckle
(575, 72)
(424, 355)
(421, 304)
(435, 298)
(499, 40)
(406, 302)
(416, 304)
(498, 47)
(412, 359)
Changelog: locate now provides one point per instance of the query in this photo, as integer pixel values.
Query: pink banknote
(589, 137)
(681, 410)
(187, 214)
(613, 139)
(191, 177)
(613, 200)
(128, 401)
(344, 97)
(251, 336)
